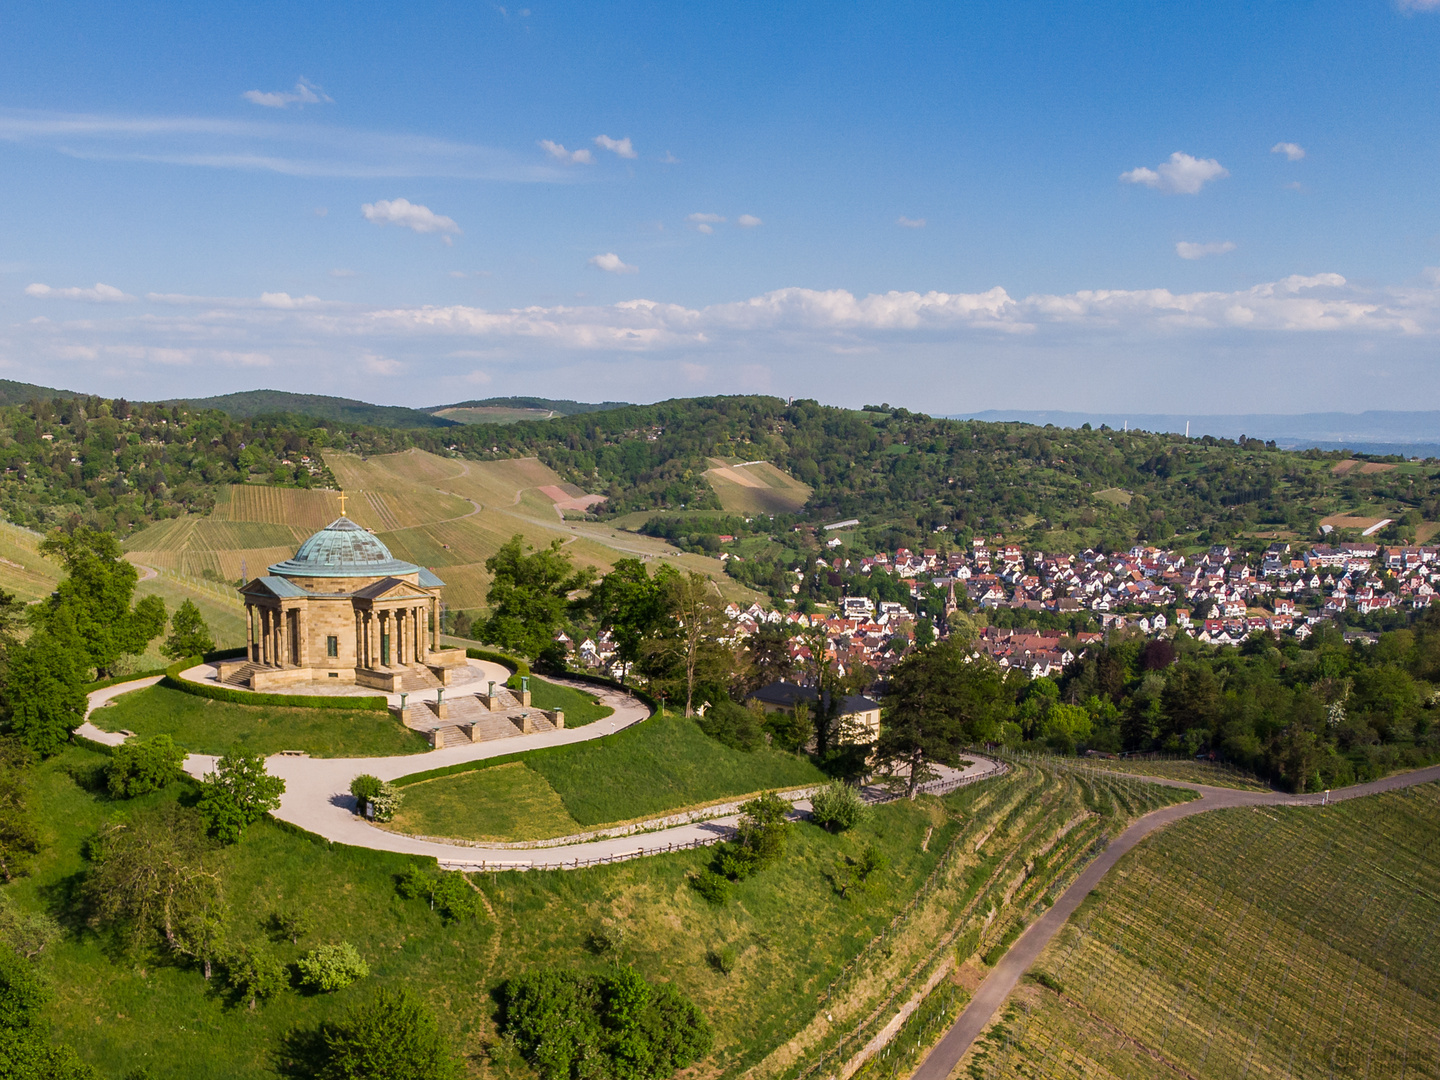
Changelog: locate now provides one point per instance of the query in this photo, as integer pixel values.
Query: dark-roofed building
(343, 608)
(859, 718)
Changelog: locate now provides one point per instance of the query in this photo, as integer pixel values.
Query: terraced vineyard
(1186, 770)
(443, 513)
(1277, 941)
(1021, 840)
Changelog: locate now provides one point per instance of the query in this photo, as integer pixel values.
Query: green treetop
(529, 594)
(90, 612)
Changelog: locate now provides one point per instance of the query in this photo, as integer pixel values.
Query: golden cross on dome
(342, 504)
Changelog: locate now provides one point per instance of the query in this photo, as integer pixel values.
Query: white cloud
(99, 294)
(403, 212)
(1292, 151)
(669, 159)
(1187, 250)
(612, 264)
(910, 223)
(305, 93)
(289, 149)
(705, 223)
(748, 221)
(1181, 175)
(1409, 6)
(620, 147)
(342, 272)
(568, 157)
(381, 365)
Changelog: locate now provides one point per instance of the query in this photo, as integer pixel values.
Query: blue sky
(1226, 207)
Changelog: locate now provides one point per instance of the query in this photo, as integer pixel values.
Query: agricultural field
(31, 577)
(494, 414)
(1186, 770)
(755, 487)
(1277, 941)
(811, 966)
(443, 513)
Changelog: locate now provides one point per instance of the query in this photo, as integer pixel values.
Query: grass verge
(205, 726)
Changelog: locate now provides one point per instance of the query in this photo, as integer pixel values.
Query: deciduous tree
(237, 794)
(189, 635)
(90, 609)
(44, 692)
(529, 594)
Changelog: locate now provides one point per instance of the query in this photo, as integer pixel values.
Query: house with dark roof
(859, 716)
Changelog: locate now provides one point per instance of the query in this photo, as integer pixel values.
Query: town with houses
(1220, 597)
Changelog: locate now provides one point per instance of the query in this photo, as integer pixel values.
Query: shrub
(448, 892)
(254, 975)
(365, 787)
(137, 768)
(385, 803)
(763, 828)
(838, 806)
(291, 924)
(392, 1037)
(28, 934)
(189, 635)
(732, 725)
(722, 959)
(714, 887)
(563, 1021)
(860, 875)
(331, 967)
(606, 940)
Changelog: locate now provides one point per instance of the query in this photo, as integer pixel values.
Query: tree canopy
(530, 594)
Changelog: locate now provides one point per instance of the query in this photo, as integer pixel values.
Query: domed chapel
(343, 610)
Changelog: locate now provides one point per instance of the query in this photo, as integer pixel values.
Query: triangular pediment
(392, 588)
(272, 587)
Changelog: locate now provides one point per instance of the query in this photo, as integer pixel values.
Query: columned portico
(344, 609)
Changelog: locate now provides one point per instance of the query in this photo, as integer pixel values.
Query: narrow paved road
(1003, 978)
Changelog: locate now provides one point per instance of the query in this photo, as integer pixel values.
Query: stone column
(398, 638)
(282, 642)
(435, 624)
(302, 645)
(359, 644)
(419, 614)
(249, 632)
(372, 640)
(265, 635)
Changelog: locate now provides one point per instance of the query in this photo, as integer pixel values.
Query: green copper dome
(343, 549)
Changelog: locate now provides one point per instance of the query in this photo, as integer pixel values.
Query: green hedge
(249, 697)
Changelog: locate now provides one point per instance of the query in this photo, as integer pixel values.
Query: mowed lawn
(507, 802)
(580, 708)
(658, 766)
(790, 931)
(204, 726)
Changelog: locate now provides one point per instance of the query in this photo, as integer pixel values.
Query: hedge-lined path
(942, 1061)
(480, 673)
(317, 792)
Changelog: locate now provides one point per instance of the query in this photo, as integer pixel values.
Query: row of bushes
(174, 681)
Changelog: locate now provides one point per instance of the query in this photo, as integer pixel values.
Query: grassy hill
(509, 410)
(448, 514)
(1287, 941)
(755, 487)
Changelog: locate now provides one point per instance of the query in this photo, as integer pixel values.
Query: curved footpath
(317, 794)
(1003, 978)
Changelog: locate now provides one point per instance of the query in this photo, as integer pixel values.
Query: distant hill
(251, 403)
(17, 393)
(509, 410)
(1373, 432)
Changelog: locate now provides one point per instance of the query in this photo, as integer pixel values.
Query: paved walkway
(1003, 978)
(317, 793)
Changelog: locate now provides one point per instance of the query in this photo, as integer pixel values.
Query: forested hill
(914, 472)
(249, 404)
(904, 474)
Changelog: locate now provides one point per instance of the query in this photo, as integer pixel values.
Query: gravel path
(1003, 978)
(317, 793)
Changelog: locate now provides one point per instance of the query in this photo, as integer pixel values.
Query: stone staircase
(466, 715)
(418, 679)
(241, 675)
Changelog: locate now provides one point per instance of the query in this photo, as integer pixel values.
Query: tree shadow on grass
(302, 1053)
